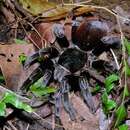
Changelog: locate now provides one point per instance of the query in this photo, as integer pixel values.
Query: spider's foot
(87, 96)
(112, 41)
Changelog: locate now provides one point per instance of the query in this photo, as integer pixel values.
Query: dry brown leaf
(10, 66)
(43, 34)
(90, 122)
(51, 11)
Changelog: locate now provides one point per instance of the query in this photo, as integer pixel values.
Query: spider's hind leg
(65, 97)
(86, 94)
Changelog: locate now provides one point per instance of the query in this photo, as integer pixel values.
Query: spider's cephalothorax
(67, 65)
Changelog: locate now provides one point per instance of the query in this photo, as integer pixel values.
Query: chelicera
(65, 61)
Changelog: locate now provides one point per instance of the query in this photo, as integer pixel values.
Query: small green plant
(11, 98)
(96, 89)
(19, 41)
(107, 103)
(120, 110)
(39, 90)
(2, 79)
(110, 82)
(123, 127)
(22, 58)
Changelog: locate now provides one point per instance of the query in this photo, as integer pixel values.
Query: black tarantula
(65, 61)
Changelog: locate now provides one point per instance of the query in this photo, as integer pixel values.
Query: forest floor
(22, 34)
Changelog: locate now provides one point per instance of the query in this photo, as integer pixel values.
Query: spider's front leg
(41, 55)
(63, 96)
(35, 75)
(45, 68)
(86, 94)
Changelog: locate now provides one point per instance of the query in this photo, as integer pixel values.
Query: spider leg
(34, 76)
(41, 55)
(65, 97)
(86, 94)
(59, 32)
(58, 104)
(59, 73)
(58, 99)
(47, 76)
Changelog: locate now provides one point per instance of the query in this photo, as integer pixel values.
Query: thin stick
(84, 2)
(38, 34)
(29, 37)
(115, 58)
(46, 120)
(11, 125)
(27, 126)
(98, 7)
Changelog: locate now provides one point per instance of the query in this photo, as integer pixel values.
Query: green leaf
(12, 99)
(123, 127)
(127, 68)
(127, 45)
(111, 104)
(96, 89)
(110, 87)
(19, 41)
(2, 109)
(108, 104)
(38, 89)
(25, 107)
(104, 98)
(22, 58)
(126, 91)
(121, 114)
(109, 82)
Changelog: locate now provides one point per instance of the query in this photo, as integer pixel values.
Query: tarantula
(66, 63)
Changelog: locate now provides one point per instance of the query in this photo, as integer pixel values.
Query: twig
(98, 7)
(22, 10)
(37, 33)
(115, 58)
(124, 56)
(27, 126)
(29, 37)
(6, 128)
(46, 120)
(11, 125)
(84, 2)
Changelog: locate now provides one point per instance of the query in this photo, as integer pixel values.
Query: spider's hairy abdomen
(72, 59)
